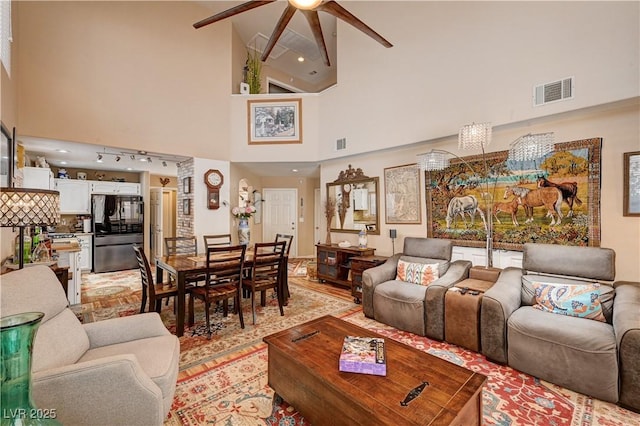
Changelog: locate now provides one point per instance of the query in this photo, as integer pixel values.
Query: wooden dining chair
(176, 246)
(223, 281)
(265, 273)
(181, 245)
(150, 290)
(288, 239)
(217, 240)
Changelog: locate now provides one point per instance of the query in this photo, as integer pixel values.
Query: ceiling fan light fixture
(305, 4)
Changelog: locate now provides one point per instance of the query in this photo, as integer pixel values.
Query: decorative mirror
(356, 199)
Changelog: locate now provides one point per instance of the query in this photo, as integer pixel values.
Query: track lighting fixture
(142, 156)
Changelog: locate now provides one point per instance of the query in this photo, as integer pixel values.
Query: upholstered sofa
(416, 308)
(597, 356)
(119, 371)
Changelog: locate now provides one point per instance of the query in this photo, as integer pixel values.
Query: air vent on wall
(341, 144)
(553, 92)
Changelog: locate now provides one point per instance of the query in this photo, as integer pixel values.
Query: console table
(359, 264)
(334, 262)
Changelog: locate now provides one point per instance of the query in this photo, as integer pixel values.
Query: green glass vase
(17, 335)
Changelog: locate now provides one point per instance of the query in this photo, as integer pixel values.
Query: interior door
(317, 213)
(280, 210)
(157, 237)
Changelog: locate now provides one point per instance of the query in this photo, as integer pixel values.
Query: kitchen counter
(65, 246)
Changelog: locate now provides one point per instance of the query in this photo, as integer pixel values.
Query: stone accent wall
(184, 225)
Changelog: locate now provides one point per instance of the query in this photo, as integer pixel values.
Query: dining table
(182, 265)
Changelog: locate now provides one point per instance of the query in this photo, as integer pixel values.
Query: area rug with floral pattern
(223, 381)
(233, 390)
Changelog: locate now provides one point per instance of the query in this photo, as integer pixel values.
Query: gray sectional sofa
(411, 307)
(600, 358)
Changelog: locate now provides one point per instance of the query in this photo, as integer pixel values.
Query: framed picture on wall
(274, 122)
(186, 185)
(631, 184)
(402, 194)
(186, 206)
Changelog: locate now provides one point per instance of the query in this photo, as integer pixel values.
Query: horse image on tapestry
(459, 206)
(507, 207)
(569, 192)
(549, 197)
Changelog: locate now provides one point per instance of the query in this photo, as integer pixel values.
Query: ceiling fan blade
(231, 12)
(277, 32)
(334, 9)
(314, 23)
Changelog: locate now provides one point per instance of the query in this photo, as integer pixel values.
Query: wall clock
(213, 179)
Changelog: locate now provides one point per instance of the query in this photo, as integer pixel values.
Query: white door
(168, 214)
(316, 216)
(280, 210)
(157, 237)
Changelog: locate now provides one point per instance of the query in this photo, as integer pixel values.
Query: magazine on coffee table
(364, 355)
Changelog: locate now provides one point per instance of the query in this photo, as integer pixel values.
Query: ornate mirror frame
(362, 207)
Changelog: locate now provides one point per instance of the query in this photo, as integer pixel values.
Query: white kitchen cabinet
(119, 188)
(74, 196)
(37, 178)
(86, 251)
(72, 260)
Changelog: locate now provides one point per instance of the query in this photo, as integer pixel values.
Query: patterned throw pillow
(417, 273)
(573, 300)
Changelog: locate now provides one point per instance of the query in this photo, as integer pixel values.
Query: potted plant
(253, 69)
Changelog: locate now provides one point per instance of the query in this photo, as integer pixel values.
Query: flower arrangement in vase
(243, 214)
(329, 213)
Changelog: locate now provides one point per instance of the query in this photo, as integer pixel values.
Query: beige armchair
(119, 371)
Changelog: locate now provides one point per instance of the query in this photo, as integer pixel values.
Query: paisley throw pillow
(566, 299)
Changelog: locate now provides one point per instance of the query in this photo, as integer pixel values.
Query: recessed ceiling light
(143, 159)
(62, 150)
(300, 58)
(294, 170)
(129, 168)
(63, 162)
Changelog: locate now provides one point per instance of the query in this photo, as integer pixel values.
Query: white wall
(457, 62)
(619, 126)
(205, 221)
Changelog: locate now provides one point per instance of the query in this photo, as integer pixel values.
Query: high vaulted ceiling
(255, 27)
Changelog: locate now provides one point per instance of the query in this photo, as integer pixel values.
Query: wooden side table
(359, 264)
(462, 305)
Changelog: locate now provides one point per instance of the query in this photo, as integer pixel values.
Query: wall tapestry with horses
(554, 199)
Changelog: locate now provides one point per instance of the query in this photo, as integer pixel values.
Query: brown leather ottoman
(462, 308)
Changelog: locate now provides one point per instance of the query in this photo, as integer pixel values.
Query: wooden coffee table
(303, 370)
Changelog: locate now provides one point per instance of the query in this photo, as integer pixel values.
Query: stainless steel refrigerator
(118, 224)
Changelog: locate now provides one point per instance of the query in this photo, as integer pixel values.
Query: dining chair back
(181, 245)
(288, 239)
(150, 290)
(224, 273)
(217, 240)
(265, 273)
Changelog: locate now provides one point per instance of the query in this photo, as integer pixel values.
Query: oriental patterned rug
(223, 381)
(233, 390)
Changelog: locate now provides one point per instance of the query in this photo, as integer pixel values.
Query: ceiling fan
(310, 9)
